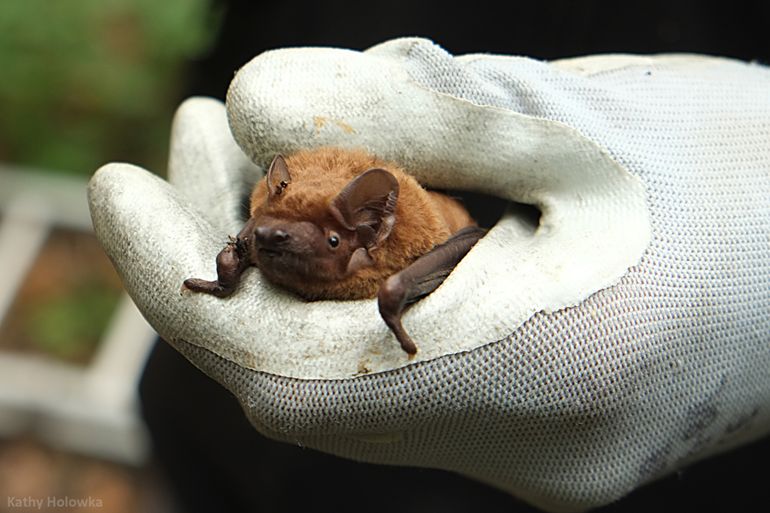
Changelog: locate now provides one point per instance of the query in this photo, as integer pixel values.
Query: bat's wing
(420, 279)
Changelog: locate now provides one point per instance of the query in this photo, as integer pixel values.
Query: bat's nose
(269, 237)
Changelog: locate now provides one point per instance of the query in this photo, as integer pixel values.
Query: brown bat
(341, 224)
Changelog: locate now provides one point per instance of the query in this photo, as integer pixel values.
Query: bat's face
(297, 253)
(308, 240)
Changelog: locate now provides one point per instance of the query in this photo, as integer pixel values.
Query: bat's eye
(333, 240)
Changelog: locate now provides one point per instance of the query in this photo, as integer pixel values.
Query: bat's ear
(367, 205)
(278, 177)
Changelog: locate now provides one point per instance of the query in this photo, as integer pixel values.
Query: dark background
(217, 462)
(543, 30)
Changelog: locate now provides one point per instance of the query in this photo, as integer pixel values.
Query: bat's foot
(231, 263)
(207, 287)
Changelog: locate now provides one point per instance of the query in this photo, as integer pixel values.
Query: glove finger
(207, 166)
(154, 237)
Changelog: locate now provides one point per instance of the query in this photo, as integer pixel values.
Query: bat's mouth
(269, 252)
(277, 261)
(274, 263)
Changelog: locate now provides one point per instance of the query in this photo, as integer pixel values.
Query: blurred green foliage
(84, 82)
(70, 326)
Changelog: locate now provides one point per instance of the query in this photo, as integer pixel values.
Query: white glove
(625, 336)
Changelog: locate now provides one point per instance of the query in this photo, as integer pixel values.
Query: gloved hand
(624, 336)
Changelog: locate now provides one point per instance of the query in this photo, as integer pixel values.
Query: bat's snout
(273, 238)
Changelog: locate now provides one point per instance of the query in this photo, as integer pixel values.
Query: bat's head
(309, 239)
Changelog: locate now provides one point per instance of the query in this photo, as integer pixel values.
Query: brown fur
(423, 219)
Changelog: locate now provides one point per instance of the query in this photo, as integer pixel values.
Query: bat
(341, 224)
